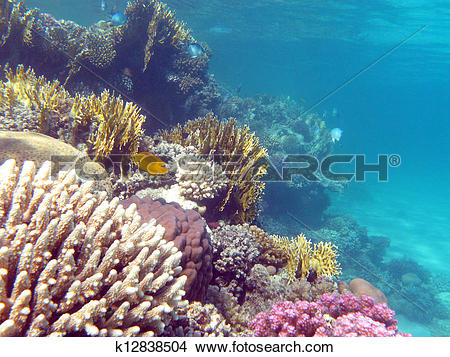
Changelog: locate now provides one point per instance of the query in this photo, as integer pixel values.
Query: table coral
(73, 263)
(331, 315)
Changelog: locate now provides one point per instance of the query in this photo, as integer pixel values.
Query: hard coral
(235, 252)
(188, 232)
(199, 320)
(241, 157)
(73, 263)
(62, 45)
(331, 315)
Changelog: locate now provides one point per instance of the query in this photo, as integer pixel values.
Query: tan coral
(200, 179)
(272, 254)
(73, 263)
(114, 126)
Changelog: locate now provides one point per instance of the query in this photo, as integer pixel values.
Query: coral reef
(281, 124)
(262, 290)
(103, 125)
(57, 48)
(73, 263)
(331, 315)
(241, 157)
(145, 58)
(187, 231)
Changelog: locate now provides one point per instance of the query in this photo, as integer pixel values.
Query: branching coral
(240, 155)
(162, 26)
(13, 16)
(188, 232)
(112, 125)
(302, 260)
(22, 88)
(72, 263)
(115, 125)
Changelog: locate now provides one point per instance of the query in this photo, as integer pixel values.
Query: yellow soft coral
(237, 151)
(302, 260)
(25, 88)
(117, 126)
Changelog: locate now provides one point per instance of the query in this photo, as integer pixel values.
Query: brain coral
(188, 232)
(73, 263)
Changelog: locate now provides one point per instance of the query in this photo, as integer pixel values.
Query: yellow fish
(150, 163)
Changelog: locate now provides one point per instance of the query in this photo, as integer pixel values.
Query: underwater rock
(411, 279)
(360, 287)
(23, 146)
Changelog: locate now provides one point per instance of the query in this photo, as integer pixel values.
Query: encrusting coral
(238, 152)
(73, 263)
(304, 262)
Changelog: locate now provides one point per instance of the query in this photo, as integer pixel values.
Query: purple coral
(331, 315)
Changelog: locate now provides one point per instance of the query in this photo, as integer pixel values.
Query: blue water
(400, 105)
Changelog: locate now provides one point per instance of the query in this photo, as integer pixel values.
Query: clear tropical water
(400, 104)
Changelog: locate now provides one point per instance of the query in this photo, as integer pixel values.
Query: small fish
(220, 30)
(238, 89)
(195, 50)
(213, 225)
(118, 18)
(150, 163)
(335, 113)
(103, 5)
(336, 134)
